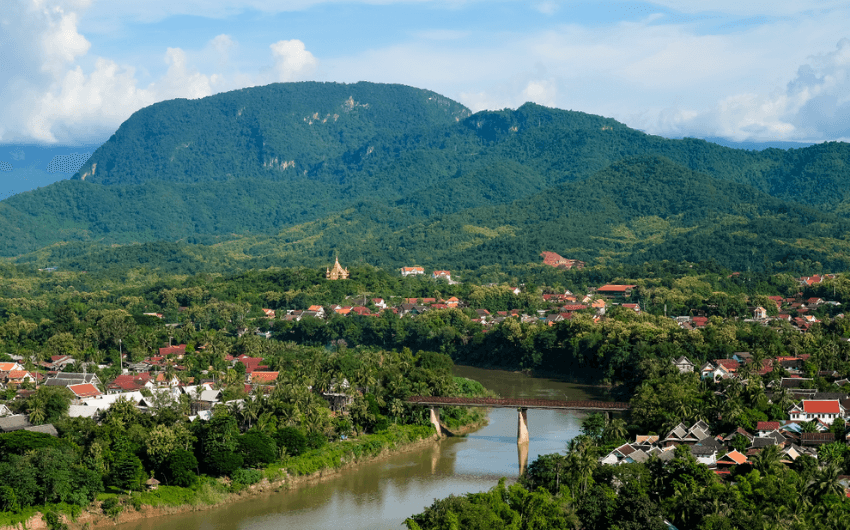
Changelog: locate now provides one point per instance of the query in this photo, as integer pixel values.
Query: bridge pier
(522, 454)
(522, 426)
(435, 420)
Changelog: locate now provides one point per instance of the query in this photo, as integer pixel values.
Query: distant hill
(391, 173)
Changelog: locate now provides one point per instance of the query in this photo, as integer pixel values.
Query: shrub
(316, 440)
(180, 468)
(224, 462)
(246, 477)
(292, 439)
(257, 448)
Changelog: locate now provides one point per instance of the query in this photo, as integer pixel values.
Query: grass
(337, 454)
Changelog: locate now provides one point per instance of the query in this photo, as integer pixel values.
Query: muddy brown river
(382, 494)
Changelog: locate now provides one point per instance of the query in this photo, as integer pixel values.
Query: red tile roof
(264, 377)
(180, 349)
(821, 406)
(767, 426)
(611, 288)
(735, 457)
(84, 390)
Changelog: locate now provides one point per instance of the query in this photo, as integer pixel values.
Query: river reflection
(382, 494)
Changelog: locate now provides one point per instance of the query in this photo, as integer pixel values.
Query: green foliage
(292, 439)
(257, 448)
(246, 477)
(179, 468)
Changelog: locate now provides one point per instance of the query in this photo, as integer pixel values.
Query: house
(178, 351)
(379, 303)
(732, 458)
(765, 427)
(412, 271)
(130, 383)
(633, 307)
(825, 411)
(85, 390)
(11, 367)
(263, 378)
(683, 364)
(17, 422)
(816, 438)
(318, 310)
(760, 313)
(554, 260)
(17, 377)
(72, 378)
(270, 313)
(60, 362)
(453, 302)
(615, 291)
(442, 275)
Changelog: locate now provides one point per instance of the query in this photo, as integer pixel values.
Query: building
(412, 271)
(442, 275)
(825, 410)
(615, 291)
(555, 260)
(337, 272)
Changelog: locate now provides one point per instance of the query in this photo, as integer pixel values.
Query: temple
(337, 272)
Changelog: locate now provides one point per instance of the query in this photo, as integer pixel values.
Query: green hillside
(641, 209)
(395, 173)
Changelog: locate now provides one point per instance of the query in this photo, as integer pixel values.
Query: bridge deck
(518, 403)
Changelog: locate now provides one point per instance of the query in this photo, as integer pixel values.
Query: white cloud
(543, 92)
(54, 92)
(292, 61)
(547, 8)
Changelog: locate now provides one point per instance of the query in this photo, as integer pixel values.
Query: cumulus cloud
(292, 61)
(51, 91)
(543, 92)
(813, 106)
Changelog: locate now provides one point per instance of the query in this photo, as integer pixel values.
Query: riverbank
(292, 474)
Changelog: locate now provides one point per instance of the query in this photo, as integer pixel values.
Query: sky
(71, 71)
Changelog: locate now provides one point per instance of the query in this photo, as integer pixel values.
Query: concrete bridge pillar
(522, 453)
(522, 426)
(435, 420)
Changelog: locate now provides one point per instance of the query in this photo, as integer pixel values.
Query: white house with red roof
(9, 367)
(824, 410)
(616, 291)
(412, 271)
(442, 275)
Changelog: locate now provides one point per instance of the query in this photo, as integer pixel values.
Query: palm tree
(767, 461)
(615, 429)
(36, 413)
(824, 482)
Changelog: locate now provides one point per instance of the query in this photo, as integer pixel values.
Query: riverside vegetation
(291, 431)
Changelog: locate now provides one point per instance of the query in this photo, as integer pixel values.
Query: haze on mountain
(293, 173)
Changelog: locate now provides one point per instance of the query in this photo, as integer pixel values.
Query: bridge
(522, 406)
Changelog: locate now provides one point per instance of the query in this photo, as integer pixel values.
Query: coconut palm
(824, 482)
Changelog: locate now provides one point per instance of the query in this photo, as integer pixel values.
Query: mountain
(639, 209)
(299, 171)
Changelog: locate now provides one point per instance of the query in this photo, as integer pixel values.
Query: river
(382, 494)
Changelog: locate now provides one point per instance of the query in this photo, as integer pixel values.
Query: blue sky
(72, 70)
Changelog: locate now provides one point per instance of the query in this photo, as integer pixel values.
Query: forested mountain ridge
(640, 209)
(320, 160)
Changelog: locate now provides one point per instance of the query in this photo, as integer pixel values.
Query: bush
(256, 448)
(224, 462)
(111, 507)
(246, 477)
(179, 468)
(316, 440)
(381, 423)
(292, 439)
